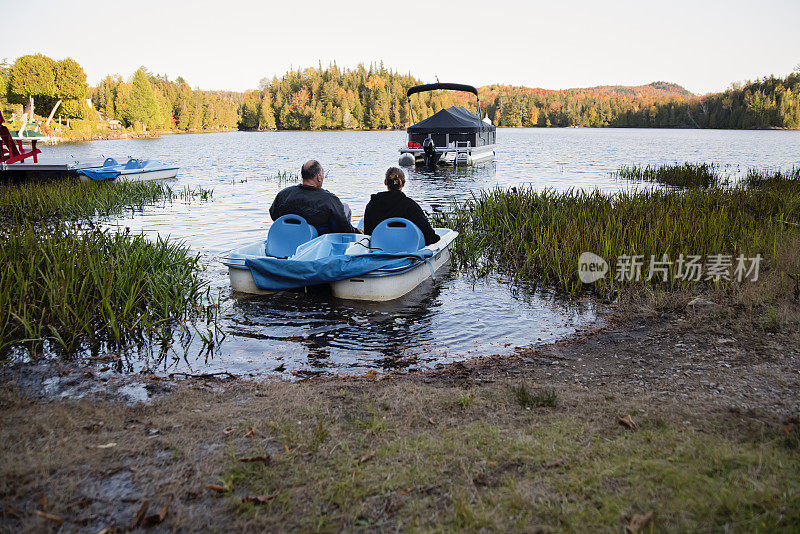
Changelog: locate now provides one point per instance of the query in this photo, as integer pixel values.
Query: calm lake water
(311, 333)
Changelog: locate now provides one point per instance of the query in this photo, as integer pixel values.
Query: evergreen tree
(266, 116)
(138, 105)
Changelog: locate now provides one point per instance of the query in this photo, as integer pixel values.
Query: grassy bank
(539, 235)
(69, 284)
(404, 455)
(77, 288)
(382, 462)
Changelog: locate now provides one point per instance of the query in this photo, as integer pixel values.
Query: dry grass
(770, 304)
(395, 455)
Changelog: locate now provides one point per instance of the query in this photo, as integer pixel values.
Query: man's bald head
(312, 173)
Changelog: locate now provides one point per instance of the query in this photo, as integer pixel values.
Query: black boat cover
(451, 120)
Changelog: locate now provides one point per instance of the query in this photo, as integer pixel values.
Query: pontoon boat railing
(447, 86)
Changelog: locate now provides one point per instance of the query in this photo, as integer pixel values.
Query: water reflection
(311, 332)
(439, 188)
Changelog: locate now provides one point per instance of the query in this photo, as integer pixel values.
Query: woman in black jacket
(394, 203)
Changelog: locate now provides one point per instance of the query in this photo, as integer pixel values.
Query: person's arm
(418, 217)
(339, 218)
(370, 218)
(274, 210)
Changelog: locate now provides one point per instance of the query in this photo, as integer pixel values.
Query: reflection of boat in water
(312, 332)
(452, 136)
(384, 266)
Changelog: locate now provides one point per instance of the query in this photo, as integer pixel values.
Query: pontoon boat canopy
(450, 121)
(435, 86)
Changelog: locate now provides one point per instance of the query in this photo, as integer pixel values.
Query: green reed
(75, 286)
(285, 177)
(41, 201)
(759, 178)
(74, 199)
(538, 235)
(677, 175)
(66, 282)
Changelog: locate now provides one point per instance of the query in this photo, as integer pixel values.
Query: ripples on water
(313, 333)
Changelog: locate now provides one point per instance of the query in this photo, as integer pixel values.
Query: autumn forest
(372, 97)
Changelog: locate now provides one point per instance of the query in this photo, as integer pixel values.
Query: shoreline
(131, 135)
(134, 135)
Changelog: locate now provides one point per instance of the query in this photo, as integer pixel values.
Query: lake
(453, 318)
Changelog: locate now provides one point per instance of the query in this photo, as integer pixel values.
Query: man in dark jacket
(320, 208)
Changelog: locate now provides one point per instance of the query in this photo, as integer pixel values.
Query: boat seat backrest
(133, 164)
(286, 234)
(396, 235)
(110, 162)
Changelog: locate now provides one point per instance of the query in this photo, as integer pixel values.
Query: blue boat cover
(274, 274)
(99, 173)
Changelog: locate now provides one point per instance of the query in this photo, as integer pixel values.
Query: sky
(703, 45)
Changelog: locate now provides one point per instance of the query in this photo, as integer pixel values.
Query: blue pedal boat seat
(133, 164)
(396, 235)
(286, 234)
(110, 162)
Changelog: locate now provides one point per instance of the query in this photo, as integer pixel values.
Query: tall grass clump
(677, 175)
(37, 201)
(77, 289)
(68, 284)
(44, 201)
(528, 398)
(759, 178)
(538, 236)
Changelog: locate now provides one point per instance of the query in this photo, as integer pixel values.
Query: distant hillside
(655, 89)
(767, 103)
(373, 97)
(607, 105)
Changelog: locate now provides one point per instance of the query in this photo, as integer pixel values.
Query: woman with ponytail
(394, 203)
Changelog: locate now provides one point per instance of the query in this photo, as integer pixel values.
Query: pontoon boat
(453, 136)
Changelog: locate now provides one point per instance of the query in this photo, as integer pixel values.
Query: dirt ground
(711, 391)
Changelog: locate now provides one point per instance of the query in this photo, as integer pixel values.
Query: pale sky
(703, 45)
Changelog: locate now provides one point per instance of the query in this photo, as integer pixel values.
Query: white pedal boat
(134, 169)
(377, 285)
